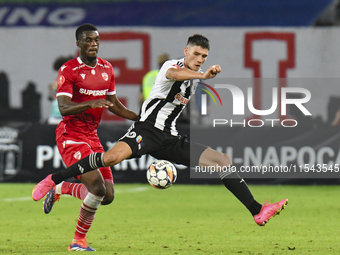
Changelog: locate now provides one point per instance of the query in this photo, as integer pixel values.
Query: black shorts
(144, 138)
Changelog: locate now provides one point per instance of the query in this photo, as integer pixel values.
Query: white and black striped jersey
(167, 99)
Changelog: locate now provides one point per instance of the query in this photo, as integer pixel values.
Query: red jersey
(85, 83)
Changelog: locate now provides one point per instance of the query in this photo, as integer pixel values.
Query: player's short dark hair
(83, 28)
(199, 40)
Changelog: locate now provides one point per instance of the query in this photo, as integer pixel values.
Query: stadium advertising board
(307, 151)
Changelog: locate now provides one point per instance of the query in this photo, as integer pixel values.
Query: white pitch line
(132, 190)
(14, 199)
(118, 191)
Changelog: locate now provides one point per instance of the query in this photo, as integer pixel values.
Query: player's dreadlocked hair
(84, 27)
(198, 40)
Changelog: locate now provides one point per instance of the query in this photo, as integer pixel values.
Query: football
(161, 174)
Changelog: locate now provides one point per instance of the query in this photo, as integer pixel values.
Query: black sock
(87, 164)
(237, 186)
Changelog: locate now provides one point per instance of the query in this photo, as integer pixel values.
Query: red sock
(77, 190)
(86, 215)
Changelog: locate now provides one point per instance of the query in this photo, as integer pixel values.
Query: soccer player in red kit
(86, 85)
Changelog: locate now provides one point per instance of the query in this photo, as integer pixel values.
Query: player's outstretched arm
(67, 107)
(119, 109)
(182, 74)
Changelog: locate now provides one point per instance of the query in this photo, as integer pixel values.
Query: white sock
(58, 188)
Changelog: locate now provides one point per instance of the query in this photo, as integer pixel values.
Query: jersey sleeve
(65, 81)
(165, 67)
(112, 87)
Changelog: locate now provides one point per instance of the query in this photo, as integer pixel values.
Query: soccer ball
(161, 174)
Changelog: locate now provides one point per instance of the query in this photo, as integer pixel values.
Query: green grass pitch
(184, 219)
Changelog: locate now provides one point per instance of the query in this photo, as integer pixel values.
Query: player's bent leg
(109, 195)
(231, 180)
(234, 183)
(211, 157)
(117, 153)
(77, 190)
(94, 182)
(54, 194)
(88, 164)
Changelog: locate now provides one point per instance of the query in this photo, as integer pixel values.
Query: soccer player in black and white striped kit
(155, 132)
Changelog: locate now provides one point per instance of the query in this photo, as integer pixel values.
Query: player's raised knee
(97, 189)
(226, 160)
(108, 199)
(111, 159)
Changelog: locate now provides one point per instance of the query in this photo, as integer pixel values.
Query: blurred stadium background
(256, 43)
(288, 39)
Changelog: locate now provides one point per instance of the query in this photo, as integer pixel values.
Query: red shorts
(75, 146)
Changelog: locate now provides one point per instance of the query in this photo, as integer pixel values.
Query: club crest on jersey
(61, 79)
(77, 155)
(93, 71)
(181, 99)
(105, 76)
